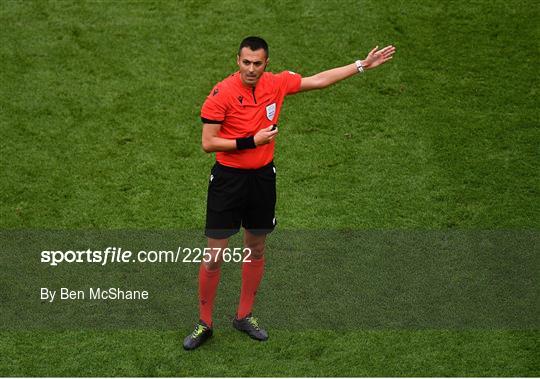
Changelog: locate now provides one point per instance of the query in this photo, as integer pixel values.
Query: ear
(266, 63)
(238, 59)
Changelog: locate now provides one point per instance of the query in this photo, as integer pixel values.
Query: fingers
(382, 55)
(268, 130)
(385, 50)
(388, 50)
(271, 135)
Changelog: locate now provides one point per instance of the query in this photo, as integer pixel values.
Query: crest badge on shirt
(271, 111)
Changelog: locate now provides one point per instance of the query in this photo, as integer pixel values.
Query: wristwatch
(359, 66)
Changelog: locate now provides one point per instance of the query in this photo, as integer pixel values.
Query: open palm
(378, 57)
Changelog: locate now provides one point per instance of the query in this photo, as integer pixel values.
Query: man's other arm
(211, 142)
(329, 77)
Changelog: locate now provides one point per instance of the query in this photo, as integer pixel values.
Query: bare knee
(213, 256)
(256, 249)
(212, 265)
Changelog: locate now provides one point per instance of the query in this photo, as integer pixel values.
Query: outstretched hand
(378, 57)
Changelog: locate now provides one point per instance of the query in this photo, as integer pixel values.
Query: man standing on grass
(240, 118)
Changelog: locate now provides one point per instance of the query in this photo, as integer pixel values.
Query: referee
(240, 117)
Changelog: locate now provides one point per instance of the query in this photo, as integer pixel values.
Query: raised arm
(326, 78)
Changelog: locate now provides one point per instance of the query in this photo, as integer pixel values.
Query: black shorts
(240, 197)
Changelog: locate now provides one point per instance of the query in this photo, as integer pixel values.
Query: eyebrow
(248, 61)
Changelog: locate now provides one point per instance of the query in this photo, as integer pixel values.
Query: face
(252, 65)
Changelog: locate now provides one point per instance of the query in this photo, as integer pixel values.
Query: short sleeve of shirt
(214, 107)
(290, 81)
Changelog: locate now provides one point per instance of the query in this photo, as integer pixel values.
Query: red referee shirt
(242, 111)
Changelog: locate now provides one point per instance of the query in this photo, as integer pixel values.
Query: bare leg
(256, 243)
(216, 253)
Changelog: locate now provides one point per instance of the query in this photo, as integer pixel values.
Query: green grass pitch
(99, 113)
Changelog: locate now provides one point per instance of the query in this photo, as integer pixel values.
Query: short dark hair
(254, 43)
